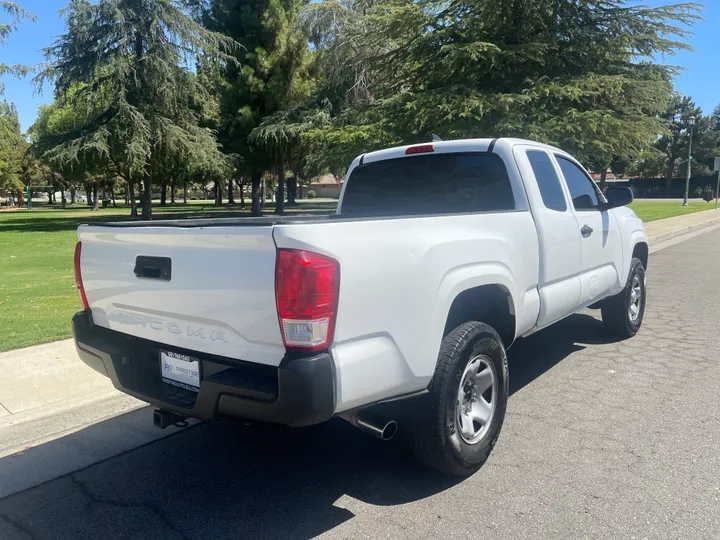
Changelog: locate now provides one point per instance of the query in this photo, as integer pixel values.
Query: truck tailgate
(206, 289)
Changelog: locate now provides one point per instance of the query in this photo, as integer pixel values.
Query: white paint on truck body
(398, 276)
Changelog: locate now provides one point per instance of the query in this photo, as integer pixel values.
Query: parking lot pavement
(602, 439)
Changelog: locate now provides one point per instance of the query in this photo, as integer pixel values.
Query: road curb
(662, 237)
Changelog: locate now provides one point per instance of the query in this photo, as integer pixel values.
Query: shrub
(311, 194)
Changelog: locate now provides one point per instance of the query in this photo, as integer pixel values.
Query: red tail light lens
(421, 149)
(306, 288)
(78, 276)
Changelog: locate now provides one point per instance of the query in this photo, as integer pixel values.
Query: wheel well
(641, 252)
(491, 304)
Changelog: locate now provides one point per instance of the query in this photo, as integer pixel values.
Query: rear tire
(623, 313)
(456, 427)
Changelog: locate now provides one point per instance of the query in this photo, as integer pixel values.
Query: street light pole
(691, 121)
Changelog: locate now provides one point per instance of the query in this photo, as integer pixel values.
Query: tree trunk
(292, 190)
(231, 199)
(62, 197)
(172, 193)
(88, 194)
(280, 199)
(603, 179)
(72, 195)
(185, 191)
(669, 177)
(112, 195)
(218, 194)
(264, 192)
(255, 193)
(95, 197)
(241, 187)
(133, 202)
(147, 199)
(163, 194)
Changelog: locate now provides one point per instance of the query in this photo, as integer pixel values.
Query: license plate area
(180, 370)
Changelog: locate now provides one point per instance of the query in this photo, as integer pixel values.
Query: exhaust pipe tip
(389, 430)
(372, 424)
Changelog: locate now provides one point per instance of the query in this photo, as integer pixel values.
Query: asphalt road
(602, 439)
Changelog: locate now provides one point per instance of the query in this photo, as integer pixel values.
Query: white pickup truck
(439, 256)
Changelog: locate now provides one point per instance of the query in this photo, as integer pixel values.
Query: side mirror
(618, 196)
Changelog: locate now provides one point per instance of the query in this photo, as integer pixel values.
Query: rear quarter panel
(632, 232)
(398, 279)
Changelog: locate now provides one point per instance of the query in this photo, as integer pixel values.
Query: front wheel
(623, 313)
(456, 427)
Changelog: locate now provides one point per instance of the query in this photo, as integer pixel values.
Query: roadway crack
(4, 408)
(19, 527)
(92, 499)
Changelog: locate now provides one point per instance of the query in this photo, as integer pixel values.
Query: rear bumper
(300, 392)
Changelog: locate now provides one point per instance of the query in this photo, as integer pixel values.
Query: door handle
(586, 230)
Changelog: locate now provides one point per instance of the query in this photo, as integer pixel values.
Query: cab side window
(583, 191)
(547, 180)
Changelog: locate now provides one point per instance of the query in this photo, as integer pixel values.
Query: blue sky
(701, 80)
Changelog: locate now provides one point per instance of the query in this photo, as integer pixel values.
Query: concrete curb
(680, 231)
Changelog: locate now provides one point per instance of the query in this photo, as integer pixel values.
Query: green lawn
(37, 284)
(650, 211)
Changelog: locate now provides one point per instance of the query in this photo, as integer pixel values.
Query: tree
(265, 78)
(16, 15)
(128, 61)
(12, 149)
(567, 72)
(668, 156)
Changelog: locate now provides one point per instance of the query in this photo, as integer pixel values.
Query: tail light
(306, 288)
(78, 276)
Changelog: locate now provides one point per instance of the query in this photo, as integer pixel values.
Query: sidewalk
(665, 229)
(47, 392)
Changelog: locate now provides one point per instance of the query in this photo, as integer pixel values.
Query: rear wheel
(456, 427)
(623, 313)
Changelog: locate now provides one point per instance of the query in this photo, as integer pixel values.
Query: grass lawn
(650, 210)
(37, 282)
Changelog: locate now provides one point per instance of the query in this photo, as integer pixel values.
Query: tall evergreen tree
(128, 61)
(12, 149)
(574, 73)
(265, 79)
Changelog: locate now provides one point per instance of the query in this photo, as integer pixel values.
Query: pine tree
(574, 73)
(266, 78)
(127, 61)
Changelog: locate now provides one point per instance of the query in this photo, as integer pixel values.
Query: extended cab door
(598, 230)
(560, 245)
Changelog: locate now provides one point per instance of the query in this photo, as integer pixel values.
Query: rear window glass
(429, 184)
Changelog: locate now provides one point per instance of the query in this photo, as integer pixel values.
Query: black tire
(434, 433)
(616, 309)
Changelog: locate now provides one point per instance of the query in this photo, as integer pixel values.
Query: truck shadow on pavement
(229, 480)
